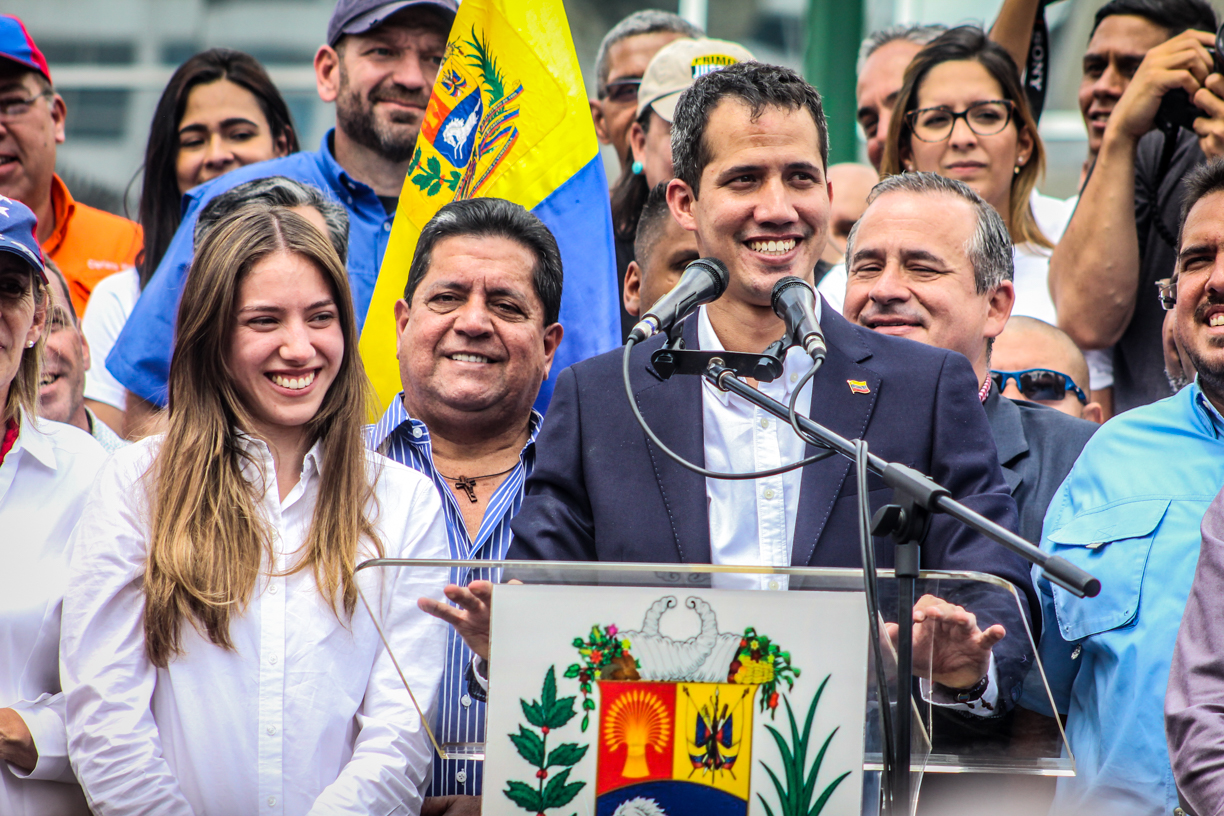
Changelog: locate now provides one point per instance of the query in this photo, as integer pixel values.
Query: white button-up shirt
(752, 522)
(43, 483)
(306, 714)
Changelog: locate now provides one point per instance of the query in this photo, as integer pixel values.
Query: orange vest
(88, 244)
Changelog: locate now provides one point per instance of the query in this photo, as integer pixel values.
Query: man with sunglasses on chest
(931, 261)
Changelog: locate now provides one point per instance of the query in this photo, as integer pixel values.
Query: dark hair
(970, 44)
(1202, 181)
(494, 217)
(1175, 16)
(276, 191)
(755, 84)
(160, 199)
(629, 193)
(650, 223)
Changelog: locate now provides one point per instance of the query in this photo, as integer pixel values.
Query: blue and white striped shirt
(460, 718)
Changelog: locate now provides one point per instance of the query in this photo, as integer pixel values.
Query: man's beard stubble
(355, 116)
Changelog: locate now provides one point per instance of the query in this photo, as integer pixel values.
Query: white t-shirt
(110, 304)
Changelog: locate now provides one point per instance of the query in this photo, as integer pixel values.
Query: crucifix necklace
(468, 484)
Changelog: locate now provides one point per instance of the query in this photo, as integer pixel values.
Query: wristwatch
(968, 695)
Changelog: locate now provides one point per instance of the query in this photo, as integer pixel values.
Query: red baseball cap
(17, 45)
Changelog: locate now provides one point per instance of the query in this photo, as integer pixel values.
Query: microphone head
(789, 282)
(717, 271)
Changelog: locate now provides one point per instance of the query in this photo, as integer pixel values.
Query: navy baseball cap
(17, 225)
(360, 16)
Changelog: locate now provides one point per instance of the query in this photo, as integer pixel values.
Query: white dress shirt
(752, 522)
(43, 483)
(306, 714)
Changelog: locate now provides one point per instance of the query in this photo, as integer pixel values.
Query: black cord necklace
(468, 484)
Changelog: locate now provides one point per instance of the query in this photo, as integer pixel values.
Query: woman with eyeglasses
(962, 113)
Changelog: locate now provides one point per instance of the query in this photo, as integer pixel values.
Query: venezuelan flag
(508, 118)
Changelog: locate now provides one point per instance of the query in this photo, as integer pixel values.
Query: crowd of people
(189, 484)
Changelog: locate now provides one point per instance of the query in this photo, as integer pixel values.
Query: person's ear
(402, 311)
(327, 73)
(552, 339)
(40, 317)
(86, 360)
(1024, 148)
(59, 115)
(999, 307)
(1093, 412)
(632, 295)
(680, 200)
(601, 123)
(637, 142)
(280, 146)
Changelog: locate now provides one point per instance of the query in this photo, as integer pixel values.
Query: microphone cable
(680, 460)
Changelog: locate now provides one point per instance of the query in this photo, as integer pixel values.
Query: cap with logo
(17, 45)
(677, 66)
(360, 16)
(17, 234)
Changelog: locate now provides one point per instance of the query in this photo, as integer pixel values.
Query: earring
(637, 167)
(30, 344)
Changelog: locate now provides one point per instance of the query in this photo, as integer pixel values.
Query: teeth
(469, 358)
(47, 379)
(293, 383)
(773, 247)
(1216, 319)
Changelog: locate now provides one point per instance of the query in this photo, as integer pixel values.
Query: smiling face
(910, 276)
(651, 277)
(1117, 47)
(878, 84)
(21, 321)
(385, 77)
(985, 163)
(473, 341)
(287, 344)
(28, 142)
(61, 390)
(763, 206)
(222, 128)
(1199, 313)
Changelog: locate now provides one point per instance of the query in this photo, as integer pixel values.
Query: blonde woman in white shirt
(45, 472)
(217, 656)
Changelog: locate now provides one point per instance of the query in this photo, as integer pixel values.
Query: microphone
(794, 301)
(704, 280)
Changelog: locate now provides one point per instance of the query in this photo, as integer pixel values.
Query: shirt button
(271, 801)
(387, 226)
(460, 776)
(765, 424)
(794, 377)
(271, 730)
(769, 493)
(465, 701)
(272, 660)
(773, 584)
(416, 433)
(272, 590)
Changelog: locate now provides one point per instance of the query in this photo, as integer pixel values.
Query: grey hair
(277, 191)
(917, 34)
(647, 21)
(989, 249)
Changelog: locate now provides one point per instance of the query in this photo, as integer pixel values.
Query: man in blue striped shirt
(477, 331)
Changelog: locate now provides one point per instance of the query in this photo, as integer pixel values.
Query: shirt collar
(1207, 410)
(397, 420)
(336, 175)
(795, 364)
(259, 451)
(33, 440)
(63, 205)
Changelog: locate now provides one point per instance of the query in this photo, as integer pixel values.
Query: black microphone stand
(915, 497)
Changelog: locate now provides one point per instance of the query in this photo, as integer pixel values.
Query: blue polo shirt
(1129, 513)
(140, 358)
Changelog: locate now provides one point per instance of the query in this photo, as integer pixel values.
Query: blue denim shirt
(140, 358)
(1129, 513)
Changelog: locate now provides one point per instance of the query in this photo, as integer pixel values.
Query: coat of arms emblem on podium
(708, 724)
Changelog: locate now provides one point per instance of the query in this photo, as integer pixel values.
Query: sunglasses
(622, 90)
(1040, 384)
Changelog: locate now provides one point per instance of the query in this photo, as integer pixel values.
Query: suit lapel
(842, 408)
(673, 410)
(1008, 432)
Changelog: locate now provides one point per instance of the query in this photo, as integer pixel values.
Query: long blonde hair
(208, 539)
(970, 44)
(23, 390)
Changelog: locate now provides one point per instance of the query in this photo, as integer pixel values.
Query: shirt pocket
(1112, 543)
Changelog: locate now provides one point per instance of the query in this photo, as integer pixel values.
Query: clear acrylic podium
(668, 665)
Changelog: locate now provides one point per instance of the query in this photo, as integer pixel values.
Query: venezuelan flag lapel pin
(858, 386)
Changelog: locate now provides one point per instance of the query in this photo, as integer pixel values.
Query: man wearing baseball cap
(87, 244)
(378, 66)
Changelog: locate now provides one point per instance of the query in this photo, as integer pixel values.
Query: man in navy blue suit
(750, 151)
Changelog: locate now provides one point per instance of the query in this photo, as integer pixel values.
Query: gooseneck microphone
(794, 301)
(704, 280)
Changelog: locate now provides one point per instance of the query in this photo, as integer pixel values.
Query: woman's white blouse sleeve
(108, 681)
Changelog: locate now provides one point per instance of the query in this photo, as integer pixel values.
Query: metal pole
(696, 12)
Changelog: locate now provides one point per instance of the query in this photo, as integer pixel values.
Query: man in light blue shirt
(477, 330)
(1129, 513)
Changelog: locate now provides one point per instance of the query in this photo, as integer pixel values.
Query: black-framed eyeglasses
(1040, 384)
(1166, 290)
(623, 90)
(983, 118)
(15, 107)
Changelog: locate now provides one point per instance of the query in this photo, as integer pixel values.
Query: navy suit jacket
(601, 491)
